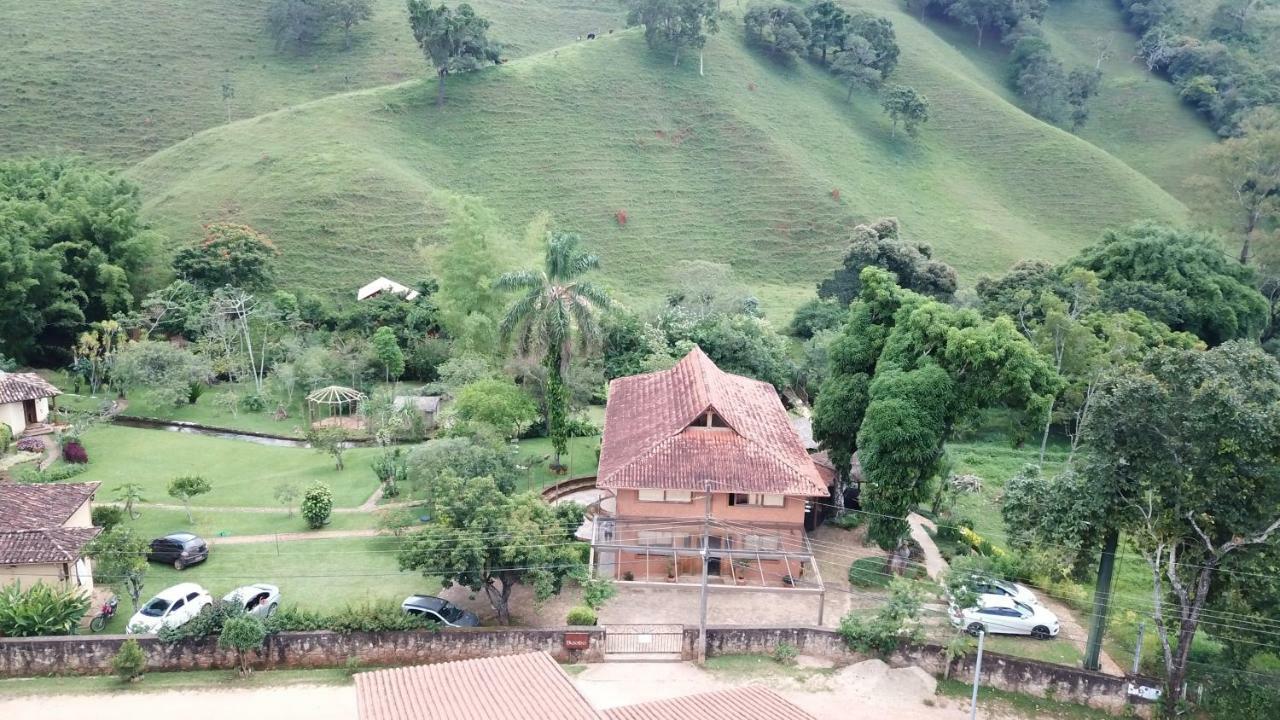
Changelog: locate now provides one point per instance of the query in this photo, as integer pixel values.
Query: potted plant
(671, 570)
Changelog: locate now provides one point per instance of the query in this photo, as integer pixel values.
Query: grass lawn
(759, 666)
(1060, 651)
(242, 473)
(154, 682)
(583, 458)
(205, 411)
(312, 574)
(154, 522)
(1019, 705)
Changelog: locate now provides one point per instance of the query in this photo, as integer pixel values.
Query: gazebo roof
(335, 395)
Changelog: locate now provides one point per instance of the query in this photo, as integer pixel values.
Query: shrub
(381, 617)
(581, 615)
(597, 591)
(785, 654)
(74, 453)
(317, 505)
(848, 521)
(6, 437)
(581, 427)
(242, 633)
(40, 610)
(57, 473)
(129, 661)
(29, 444)
(895, 622)
(870, 572)
(107, 516)
(253, 403)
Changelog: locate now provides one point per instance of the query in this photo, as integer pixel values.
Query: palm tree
(555, 309)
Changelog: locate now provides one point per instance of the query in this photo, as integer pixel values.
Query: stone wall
(1003, 672)
(91, 655)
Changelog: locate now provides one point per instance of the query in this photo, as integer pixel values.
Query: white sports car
(170, 607)
(1003, 615)
(259, 599)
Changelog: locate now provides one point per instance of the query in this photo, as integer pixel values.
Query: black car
(439, 610)
(179, 549)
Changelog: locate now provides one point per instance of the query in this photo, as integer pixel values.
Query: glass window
(679, 496)
(652, 496)
(654, 538)
(760, 542)
(177, 604)
(156, 608)
(774, 500)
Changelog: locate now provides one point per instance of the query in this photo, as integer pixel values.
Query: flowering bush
(30, 444)
(73, 452)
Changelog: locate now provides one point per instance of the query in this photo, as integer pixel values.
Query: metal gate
(644, 643)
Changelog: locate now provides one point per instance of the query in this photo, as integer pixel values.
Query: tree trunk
(848, 98)
(498, 600)
(346, 36)
(979, 35)
(186, 505)
(676, 63)
(700, 73)
(440, 87)
(1044, 438)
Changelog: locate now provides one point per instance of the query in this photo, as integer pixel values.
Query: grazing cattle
(591, 36)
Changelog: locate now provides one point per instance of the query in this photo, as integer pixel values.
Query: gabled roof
(386, 285)
(649, 442)
(751, 702)
(29, 507)
(514, 687)
(19, 387)
(45, 545)
(421, 403)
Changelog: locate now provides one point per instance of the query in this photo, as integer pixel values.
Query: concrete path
(52, 451)
(321, 702)
(934, 565)
(291, 537)
(365, 507)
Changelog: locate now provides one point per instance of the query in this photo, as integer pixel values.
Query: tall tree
(780, 30)
(229, 254)
(163, 369)
(120, 556)
(488, 541)
(1246, 177)
(855, 66)
(907, 106)
(556, 312)
(387, 352)
(829, 27)
(878, 32)
(347, 14)
(466, 268)
(676, 24)
(1187, 452)
(454, 40)
(296, 23)
(880, 244)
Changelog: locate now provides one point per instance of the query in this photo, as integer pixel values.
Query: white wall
(42, 409)
(11, 414)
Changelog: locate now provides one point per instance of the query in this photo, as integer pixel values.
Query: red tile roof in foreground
(649, 444)
(29, 507)
(19, 387)
(745, 703)
(44, 546)
(514, 687)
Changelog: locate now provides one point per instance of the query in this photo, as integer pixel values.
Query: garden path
(52, 451)
(291, 536)
(934, 564)
(363, 508)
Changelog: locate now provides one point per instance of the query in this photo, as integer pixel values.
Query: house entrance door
(29, 409)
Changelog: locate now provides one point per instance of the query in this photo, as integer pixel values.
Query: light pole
(702, 600)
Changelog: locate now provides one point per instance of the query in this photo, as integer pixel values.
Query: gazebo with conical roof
(335, 400)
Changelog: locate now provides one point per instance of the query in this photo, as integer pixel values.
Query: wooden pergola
(336, 399)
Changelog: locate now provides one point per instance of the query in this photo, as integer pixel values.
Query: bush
(57, 473)
(74, 453)
(381, 617)
(317, 505)
(785, 654)
(581, 427)
(6, 438)
(107, 516)
(581, 615)
(896, 621)
(597, 591)
(870, 572)
(253, 403)
(40, 610)
(129, 661)
(848, 521)
(242, 633)
(29, 444)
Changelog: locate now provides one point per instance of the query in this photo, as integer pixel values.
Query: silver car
(260, 599)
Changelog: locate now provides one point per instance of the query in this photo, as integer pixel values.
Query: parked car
(171, 607)
(1001, 614)
(259, 599)
(439, 610)
(995, 586)
(180, 549)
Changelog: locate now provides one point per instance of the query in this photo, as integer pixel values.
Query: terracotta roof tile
(28, 507)
(45, 545)
(752, 702)
(514, 687)
(17, 387)
(648, 442)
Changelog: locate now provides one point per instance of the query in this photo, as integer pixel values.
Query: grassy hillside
(737, 167)
(118, 81)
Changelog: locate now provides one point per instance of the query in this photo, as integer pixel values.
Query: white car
(170, 608)
(1000, 614)
(259, 599)
(995, 586)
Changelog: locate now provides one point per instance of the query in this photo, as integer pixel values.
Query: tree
(242, 633)
(165, 370)
(497, 403)
(905, 105)
(1082, 84)
(40, 609)
(387, 351)
(1246, 176)
(879, 34)
(1196, 288)
(780, 30)
(317, 504)
(129, 662)
(464, 457)
(130, 494)
(879, 244)
(95, 353)
(486, 540)
(855, 66)
(1039, 78)
(1174, 448)
(286, 494)
(229, 254)
(555, 312)
(998, 15)
(466, 269)
(296, 23)
(73, 249)
(675, 23)
(331, 441)
(186, 487)
(454, 40)
(347, 14)
(829, 27)
(120, 558)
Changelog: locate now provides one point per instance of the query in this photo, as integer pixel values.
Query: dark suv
(179, 549)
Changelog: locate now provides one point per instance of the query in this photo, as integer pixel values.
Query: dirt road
(320, 702)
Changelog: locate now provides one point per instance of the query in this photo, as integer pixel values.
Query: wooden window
(774, 500)
(760, 499)
(680, 496)
(651, 496)
(671, 496)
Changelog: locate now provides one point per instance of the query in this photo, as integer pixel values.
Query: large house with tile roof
(693, 441)
(44, 530)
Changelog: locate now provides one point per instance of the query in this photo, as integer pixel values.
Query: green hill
(737, 167)
(118, 81)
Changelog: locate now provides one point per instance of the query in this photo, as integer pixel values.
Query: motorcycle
(105, 614)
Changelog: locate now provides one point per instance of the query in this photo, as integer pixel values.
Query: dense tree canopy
(229, 254)
(73, 250)
(674, 24)
(454, 40)
(780, 30)
(879, 244)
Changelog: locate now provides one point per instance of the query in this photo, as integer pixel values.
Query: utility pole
(977, 672)
(1137, 650)
(1101, 601)
(702, 601)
